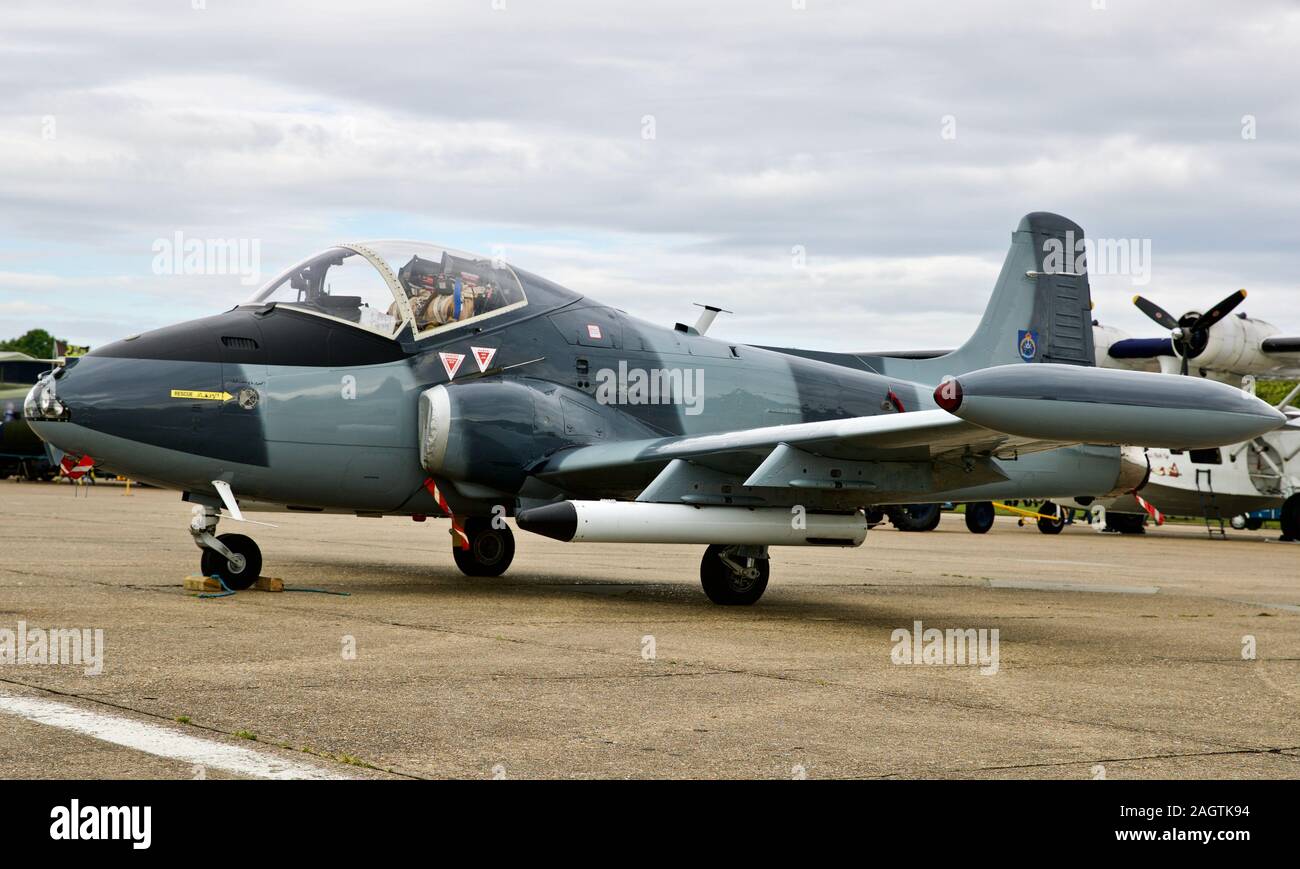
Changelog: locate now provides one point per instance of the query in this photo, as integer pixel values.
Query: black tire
(1291, 518)
(726, 587)
(916, 517)
(1126, 523)
(980, 516)
(490, 549)
(215, 564)
(875, 516)
(1056, 523)
(1254, 523)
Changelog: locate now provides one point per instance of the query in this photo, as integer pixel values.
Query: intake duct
(481, 432)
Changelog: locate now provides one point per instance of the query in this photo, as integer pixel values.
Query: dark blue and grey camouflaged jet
(398, 378)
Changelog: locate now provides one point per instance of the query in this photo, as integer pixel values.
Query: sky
(840, 175)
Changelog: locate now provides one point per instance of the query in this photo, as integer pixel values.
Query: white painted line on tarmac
(1291, 608)
(1030, 585)
(157, 740)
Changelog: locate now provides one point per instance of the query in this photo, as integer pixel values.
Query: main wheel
(1054, 524)
(916, 517)
(490, 549)
(216, 564)
(740, 583)
(1291, 518)
(979, 517)
(1126, 523)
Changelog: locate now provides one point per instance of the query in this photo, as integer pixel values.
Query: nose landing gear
(1052, 519)
(233, 557)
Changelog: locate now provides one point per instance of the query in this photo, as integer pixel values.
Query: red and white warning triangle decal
(451, 362)
(483, 356)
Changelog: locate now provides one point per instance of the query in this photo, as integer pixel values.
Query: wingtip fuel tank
(1107, 406)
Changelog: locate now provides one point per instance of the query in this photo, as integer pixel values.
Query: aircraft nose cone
(49, 409)
(45, 410)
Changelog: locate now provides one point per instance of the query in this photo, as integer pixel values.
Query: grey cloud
(775, 127)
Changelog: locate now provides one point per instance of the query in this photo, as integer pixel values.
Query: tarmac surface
(1117, 656)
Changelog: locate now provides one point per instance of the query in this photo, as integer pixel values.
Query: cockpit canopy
(385, 285)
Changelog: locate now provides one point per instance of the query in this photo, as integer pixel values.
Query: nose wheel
(490, 549)
(235, 558)
(241, 569)
(1055, 521)
(734, 575)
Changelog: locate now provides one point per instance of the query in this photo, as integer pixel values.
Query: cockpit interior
(386, 286)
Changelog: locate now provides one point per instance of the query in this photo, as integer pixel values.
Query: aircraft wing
(756, 455)
(1282, 347)
(1141, 348)
(920, 435)
(995, 411)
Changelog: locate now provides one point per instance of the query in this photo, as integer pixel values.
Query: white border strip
(160, 741)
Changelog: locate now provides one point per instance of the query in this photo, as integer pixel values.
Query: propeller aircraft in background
(1241, 480)
(1212, 344)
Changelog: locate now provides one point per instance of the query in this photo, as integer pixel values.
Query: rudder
(1040, 310)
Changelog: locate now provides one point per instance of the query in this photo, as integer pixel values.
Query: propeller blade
(1221, 310)
(1185, 366)
(1155, 312)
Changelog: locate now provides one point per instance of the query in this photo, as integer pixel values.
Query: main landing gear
(234, 558)
(1291, 518)
(490, 549)
(1126, 523)
(734, 575)
(915, 517)
(980, 516)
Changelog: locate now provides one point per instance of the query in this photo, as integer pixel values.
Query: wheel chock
(208, 585)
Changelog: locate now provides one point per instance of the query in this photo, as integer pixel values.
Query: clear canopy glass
(384, 285)
(339, 283)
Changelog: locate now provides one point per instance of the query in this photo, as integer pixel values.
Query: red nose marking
(948, 395)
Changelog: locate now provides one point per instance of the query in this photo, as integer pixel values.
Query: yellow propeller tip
(1135, 299)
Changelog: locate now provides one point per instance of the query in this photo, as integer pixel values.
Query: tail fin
(1040, 310)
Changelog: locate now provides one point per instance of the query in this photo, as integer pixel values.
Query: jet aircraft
(397, 378)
